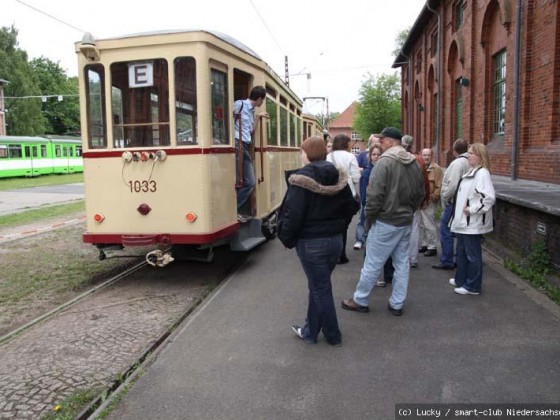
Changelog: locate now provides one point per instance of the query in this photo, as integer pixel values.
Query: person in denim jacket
(472, 218)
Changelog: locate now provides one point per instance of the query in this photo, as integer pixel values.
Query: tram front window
(140, 103)
(185, 101)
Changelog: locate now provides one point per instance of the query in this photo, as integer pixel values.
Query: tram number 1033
(142, 186)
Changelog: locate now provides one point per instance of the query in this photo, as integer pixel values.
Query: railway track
(96, 341)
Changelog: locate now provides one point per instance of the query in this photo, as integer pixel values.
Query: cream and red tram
(159, 153)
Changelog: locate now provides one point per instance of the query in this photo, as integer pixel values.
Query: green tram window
(140, 103)
(220, 109)
(57, 151)
(15, 151)
(95, 105)
(272, 110)
(185, 101)
(43, 150)
(3, 152)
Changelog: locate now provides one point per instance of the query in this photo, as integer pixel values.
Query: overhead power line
(267, 28)
(51, 16)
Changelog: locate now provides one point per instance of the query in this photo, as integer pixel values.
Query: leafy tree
(379, 105)
(23, 116)
(399, 41)
(63, 116)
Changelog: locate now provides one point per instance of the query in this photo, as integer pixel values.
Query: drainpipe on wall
(438, 104)
(408, 63)
(516, 90)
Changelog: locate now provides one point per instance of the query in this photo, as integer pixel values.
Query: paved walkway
(14, 201)
(237, 358)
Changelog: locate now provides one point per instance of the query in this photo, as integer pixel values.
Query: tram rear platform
(236, 356)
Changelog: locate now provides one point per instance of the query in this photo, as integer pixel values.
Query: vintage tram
(159, 153)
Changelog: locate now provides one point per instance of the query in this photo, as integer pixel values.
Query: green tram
(34, 156)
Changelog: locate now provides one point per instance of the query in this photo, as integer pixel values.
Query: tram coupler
(159, 258)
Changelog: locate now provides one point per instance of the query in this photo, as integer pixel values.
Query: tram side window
(3, 152)
(272, 110)
(57, 152)
(15, 151)
(283, 126)
(185, 101)
(78, 151)
(95, 102)
(43, 150)
(220, 109)
(293, 126)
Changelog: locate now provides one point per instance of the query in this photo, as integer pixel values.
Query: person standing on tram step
(313, 215)
(244, 114)
(451, 177)
(471, 218)
(395, 191)
(347, 162)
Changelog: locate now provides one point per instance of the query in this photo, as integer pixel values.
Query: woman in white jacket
(472, 218)
(346, 162)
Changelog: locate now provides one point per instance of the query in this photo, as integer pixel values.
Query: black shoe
(423, 249)
(350, 305)
(342, 260)
(430, 253)
(396, 312)
(443, 267)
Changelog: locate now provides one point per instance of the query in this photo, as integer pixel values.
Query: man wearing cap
(395, 191)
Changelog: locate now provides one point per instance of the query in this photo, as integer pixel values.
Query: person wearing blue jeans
(449, 183)
(244, 127)
(395, 191)
(313, 216)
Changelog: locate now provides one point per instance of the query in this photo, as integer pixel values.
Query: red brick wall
(489, 26)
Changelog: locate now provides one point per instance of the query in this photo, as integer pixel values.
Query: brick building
(344, 124)
(489, 71)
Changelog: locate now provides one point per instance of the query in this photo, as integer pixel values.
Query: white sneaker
(463, 291)
(358, 245)
(297, 329)
(452, 282)
(380, 283)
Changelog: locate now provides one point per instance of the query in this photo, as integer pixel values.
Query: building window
(458, 14)
(419, 62)
(499, 92)
(458, 109)
(356, 137)
(434, 41)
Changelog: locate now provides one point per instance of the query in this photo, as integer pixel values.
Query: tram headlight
(127, 156)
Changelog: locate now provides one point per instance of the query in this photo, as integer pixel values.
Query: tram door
(241, 89)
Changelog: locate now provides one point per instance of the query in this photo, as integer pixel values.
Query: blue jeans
(318, 258)
(360, 229)
(248, 182)
(446, 257)
(469, 262)
(384, 241)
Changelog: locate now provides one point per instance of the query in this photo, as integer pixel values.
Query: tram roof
(217, 34)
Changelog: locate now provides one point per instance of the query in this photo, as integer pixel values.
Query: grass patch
(535, 270)
(73, 405)
(40, 181)
(31, 216)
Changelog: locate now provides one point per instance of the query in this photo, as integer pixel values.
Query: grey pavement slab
(14, 201)
(237, 358)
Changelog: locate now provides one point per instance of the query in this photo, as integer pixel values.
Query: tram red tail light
(98, 217)
(191, 217)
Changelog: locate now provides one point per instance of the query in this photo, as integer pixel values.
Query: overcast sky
(337, 43)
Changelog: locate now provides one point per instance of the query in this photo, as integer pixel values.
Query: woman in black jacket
(312, 218)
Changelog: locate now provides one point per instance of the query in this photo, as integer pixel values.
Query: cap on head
(391, 132)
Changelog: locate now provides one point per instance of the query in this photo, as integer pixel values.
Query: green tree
(379, 105)
(399, 42)
(63, 110)
(23, 114)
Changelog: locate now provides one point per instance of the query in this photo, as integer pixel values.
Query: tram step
(248, 236)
